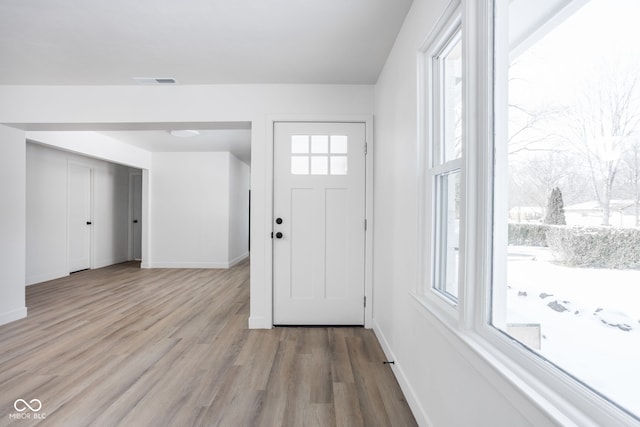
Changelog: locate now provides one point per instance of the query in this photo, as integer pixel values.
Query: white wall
(190, 205)
(239, 176)
(445, 381)
(24, 105)
(12, 224)
(46, 213)
(200, 210)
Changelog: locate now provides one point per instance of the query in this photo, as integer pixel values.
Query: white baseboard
(32, 280)
(13, 315)
(239, 259)
(195, 264)
(412, 399)
(259, 323)
(186, 265)
(108, 262)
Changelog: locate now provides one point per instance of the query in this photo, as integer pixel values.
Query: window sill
(438, 307)
(544, 389)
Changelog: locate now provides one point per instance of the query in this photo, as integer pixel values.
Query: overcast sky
(602, 34)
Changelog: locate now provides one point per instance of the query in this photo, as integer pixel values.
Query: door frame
(367, 119)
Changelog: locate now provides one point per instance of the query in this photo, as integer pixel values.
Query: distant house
(526, 213)
(622, 213)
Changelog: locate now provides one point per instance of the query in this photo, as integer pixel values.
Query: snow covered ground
(590, 320)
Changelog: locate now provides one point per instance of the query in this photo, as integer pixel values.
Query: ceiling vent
(155, 80)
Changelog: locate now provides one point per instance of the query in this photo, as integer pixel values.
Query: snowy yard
(590, 319)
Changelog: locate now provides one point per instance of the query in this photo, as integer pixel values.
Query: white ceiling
(235, 141)
(234, 137)
(99, 42)
(111, 42)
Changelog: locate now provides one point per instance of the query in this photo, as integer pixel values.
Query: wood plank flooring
(121, 346)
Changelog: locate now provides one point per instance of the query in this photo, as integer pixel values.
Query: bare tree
(528, 124)
(534, 174)
(539, 159)
(528, 130)
(631, 176)
(602, 123)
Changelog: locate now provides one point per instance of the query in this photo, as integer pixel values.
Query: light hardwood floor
(121, 346)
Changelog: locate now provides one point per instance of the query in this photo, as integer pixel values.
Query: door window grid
(319, 155)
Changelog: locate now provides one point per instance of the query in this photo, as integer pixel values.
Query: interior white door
(319, 223)
(79, 217)
(136, 216)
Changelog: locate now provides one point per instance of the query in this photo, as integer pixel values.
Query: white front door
(319, 223)
(79, 217)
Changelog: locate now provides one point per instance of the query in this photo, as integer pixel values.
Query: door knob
(278, 220)
(278, 235)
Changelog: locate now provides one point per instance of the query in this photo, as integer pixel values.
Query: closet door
(79, 213)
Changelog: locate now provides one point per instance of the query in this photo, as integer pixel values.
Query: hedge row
(528, 234)
(599, 247)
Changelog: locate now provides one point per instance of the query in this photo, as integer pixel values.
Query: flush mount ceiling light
(184, 133)
(155, 80)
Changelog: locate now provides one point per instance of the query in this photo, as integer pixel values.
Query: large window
(530, 196)
(443, 158)
(566, 241)
(447, 152)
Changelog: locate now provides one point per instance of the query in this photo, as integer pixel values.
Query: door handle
(135, 221)
(279, 235)
(88, 222)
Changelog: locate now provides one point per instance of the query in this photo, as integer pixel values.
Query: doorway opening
(106, 144)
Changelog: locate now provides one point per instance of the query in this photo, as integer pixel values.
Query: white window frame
(550, 390)
(439, 167)
(431, 165)
(555, 391)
